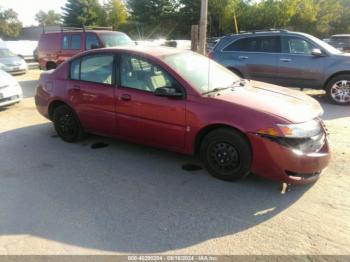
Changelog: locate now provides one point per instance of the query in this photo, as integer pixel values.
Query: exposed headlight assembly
(302, 130)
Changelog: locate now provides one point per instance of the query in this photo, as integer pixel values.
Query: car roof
(341, 35)
(153, 51)
(82, 31)
(265, 33)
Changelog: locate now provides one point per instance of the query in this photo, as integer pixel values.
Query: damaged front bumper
(290, 160)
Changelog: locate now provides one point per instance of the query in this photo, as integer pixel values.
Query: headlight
(302, 130)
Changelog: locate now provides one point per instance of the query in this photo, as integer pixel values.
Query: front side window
(91, 42)
(65, 42)
(75, 42)
(296, 45)
(138, 73)
(75, 70)
(95, 68)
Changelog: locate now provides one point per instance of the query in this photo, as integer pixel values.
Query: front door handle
(243, 57)
(125, 97)
(286, 60)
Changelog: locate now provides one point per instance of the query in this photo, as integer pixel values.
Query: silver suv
(288, 59)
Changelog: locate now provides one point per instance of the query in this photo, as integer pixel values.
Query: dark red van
(56, 47)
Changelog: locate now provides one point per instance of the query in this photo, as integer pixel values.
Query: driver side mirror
(94, 46)
(317, 52)
(170, 92)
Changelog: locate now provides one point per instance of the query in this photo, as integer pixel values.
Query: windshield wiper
(240, 82)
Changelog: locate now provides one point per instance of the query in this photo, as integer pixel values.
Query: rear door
(91, 92)
(297, 66)
(255, 57)
(142, 116)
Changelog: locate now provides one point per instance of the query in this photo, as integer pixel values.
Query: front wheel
(338, 90)
(226, 154)
(67, 124)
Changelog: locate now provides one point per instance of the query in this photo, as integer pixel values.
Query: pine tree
(116, 14)
(82, 12)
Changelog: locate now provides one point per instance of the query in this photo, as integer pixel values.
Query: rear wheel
(226, 154)
(51, 65)
(67, 124)
(338, 90)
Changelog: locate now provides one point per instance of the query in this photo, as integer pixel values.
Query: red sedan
(185, 102)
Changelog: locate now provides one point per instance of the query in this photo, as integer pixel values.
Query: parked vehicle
(56, 47)
(35, 55)
(184, 102)
(12, 63)
(212, 42)
(10, 90)
(341, 42)
(22, 48)
(289, 59)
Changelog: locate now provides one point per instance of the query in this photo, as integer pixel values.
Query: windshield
(324, 45)
(116, 39)
(201, 72)
(6, 53)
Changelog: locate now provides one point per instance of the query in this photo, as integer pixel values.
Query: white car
(12, 63)
(10, 90)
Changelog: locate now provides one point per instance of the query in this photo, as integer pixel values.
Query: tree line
(173, 18)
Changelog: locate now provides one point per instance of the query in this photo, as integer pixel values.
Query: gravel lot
(59, 198)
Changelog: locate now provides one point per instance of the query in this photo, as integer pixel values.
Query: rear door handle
(243, 57)
(125, 97)
(286, 60)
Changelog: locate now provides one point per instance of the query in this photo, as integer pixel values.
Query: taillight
(210, 55)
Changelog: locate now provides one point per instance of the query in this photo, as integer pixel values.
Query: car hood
(293, 106)
(344, 56)
(6, 79)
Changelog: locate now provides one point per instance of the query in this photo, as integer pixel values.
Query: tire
(50, 66)
(226, 154)
(67, 124)
(339, 85)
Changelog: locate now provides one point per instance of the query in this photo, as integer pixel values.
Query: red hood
(291, 105)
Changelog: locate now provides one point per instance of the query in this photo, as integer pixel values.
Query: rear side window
(75, 42)
(245, 44)
(65, 42)
(97, 69)
(91, 42)
(267, 44)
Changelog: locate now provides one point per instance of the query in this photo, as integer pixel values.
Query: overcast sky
(26, 9)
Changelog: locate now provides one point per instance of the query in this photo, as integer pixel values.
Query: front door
(142, 116)
(297, 66)
(91, 92)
